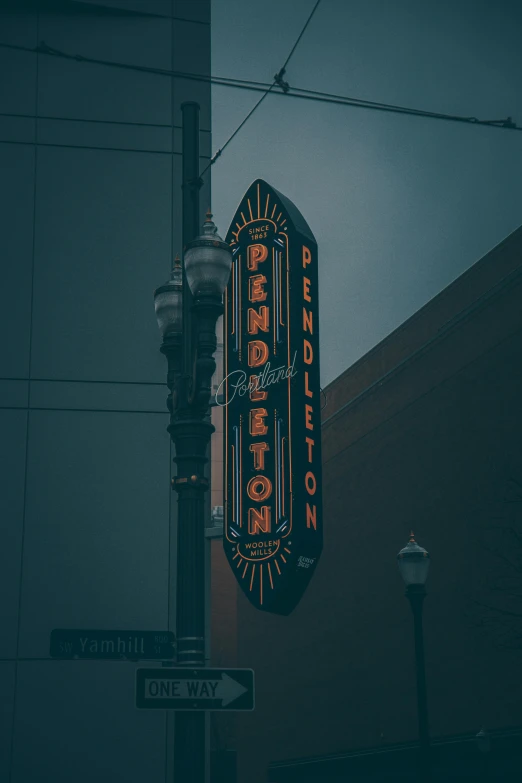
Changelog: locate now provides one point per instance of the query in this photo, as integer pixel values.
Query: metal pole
(191, 436)
(416, 595)
(191, 184)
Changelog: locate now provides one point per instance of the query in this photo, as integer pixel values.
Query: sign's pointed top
(272, 531)
(263, 202)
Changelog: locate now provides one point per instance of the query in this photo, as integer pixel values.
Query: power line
(295, 92)
(278, 79)
(300, 35)
(216, 155)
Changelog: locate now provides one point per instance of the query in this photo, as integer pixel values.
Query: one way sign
(195, 689)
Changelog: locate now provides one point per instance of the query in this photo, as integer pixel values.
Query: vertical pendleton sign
(271, 397)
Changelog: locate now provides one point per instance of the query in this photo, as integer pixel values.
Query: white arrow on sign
(226, 689)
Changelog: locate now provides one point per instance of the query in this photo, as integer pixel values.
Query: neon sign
(271, 396)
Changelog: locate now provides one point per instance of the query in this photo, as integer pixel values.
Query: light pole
(189, 343)
(414, 563)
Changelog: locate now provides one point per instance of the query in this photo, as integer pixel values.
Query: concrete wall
(90, 220)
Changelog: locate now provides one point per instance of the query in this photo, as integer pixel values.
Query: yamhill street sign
(112, 645)
(195, 689)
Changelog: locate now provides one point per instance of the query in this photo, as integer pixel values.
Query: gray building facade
(90, 222)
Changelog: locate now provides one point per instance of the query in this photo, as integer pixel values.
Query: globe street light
(187, 316)
(208, 261)
(414, 563)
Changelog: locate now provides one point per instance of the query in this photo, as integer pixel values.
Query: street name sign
(272, 532)
(182, 688)
(111, 645)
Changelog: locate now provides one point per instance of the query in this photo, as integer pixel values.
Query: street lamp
(414, 563)
(207, 264)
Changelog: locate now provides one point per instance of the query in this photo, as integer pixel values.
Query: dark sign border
(271, 318)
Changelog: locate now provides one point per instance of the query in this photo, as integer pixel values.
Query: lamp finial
(175, 274)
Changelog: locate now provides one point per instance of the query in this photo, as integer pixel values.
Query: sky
(400, 206)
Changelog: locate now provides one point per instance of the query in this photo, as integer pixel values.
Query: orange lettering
(256, 421)
(257, 353)
(258, 450)
(307, 321)
(310, 444)
(257, 394)
(311, 516)
(308, 353)
(259, 521)
(310, 488)
(308, 417)
(307, 388)
(255, 288)
(307, 256)
(256, 254)
(306, 289)
(259, 488)
(257, 320)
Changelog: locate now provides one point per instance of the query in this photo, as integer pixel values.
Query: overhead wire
(266, 89)
(294, 47)
(278, 79)
(255, 86)
(216, 155)
(279, 76)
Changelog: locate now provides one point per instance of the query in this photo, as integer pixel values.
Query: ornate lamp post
(414, 563)
(207, 264)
